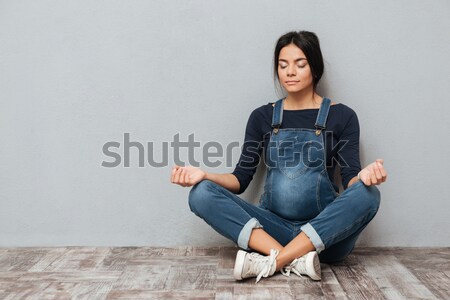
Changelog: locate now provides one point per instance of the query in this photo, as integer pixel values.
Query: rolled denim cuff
(313, 236)
(244, 235)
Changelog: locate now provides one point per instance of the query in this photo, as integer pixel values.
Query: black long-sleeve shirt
(342, 140)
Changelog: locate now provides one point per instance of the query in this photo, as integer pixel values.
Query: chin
(291, 89)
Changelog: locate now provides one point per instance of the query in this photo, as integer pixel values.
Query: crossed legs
(253, 227)
(262, 242)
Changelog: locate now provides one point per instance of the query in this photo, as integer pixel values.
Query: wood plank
(191, 277)
(259, 292)
(274, 287)
(20, 259)
(73, 290)
(116, 259)
(227, 257)
(78, 259)
(436, 281)
(148, 252)
(50, 257)
(424, 258)
(393, 278)
(143, 277)
(203, 251)
(331, 287)
(91, 276)
(355, 280)
(175, 260)
(224, 278)
(144, 294)
(427, 265)
(305, 288)
(224, 293)
(22, 290)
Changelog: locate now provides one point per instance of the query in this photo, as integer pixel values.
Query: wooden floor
(206, 273)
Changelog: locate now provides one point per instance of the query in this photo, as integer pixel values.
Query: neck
(303, 99)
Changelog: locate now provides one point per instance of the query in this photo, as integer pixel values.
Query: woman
(301, 218)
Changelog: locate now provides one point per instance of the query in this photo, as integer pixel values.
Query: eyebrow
(298, 59)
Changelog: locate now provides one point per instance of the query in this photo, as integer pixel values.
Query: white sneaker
(308, 264)
(254, 264)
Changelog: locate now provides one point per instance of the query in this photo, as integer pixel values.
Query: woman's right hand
(374, 173)
(187, 176)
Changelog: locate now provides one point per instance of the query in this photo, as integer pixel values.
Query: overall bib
(297, 185)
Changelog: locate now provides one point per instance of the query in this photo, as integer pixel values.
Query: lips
(292, 82)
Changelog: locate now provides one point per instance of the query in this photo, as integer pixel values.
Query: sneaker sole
(239, 264)
(313, 263)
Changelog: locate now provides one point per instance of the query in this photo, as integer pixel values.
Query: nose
(291, 71)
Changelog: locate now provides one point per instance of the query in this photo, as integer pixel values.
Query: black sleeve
(251, 152)
(349, 150)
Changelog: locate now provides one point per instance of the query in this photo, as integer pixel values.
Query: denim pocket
(292, 157)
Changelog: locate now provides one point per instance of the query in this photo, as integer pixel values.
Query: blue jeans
(333, 232)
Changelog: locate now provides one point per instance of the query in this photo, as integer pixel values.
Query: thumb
(380, 160)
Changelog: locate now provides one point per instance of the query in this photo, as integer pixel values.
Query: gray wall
(75, 75)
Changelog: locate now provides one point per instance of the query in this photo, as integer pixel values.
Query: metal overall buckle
(319, 129)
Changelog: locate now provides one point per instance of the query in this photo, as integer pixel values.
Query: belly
(294, 202)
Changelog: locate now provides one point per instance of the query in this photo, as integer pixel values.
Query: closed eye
(284, 67)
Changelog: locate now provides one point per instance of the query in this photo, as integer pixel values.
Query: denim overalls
(297, 184)
(298, 196)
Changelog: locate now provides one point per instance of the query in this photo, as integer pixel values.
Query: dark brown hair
(309, 43)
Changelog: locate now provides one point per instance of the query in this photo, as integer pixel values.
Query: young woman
(301, 219)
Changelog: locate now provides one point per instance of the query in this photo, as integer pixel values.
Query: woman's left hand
(374, 173)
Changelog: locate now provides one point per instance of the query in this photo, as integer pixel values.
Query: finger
(172, 174)
(177, 175)
(383, 172)
(373, 178)
(380, 160)
(379, 181)
(377, 171)
(182, 173)
(185, 178)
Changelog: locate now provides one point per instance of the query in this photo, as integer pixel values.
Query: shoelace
(267, 261)
(286, 271)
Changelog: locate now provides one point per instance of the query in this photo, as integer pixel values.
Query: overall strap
(323, 114)
(277, 116)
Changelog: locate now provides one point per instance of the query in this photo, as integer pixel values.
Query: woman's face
(294, 72)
